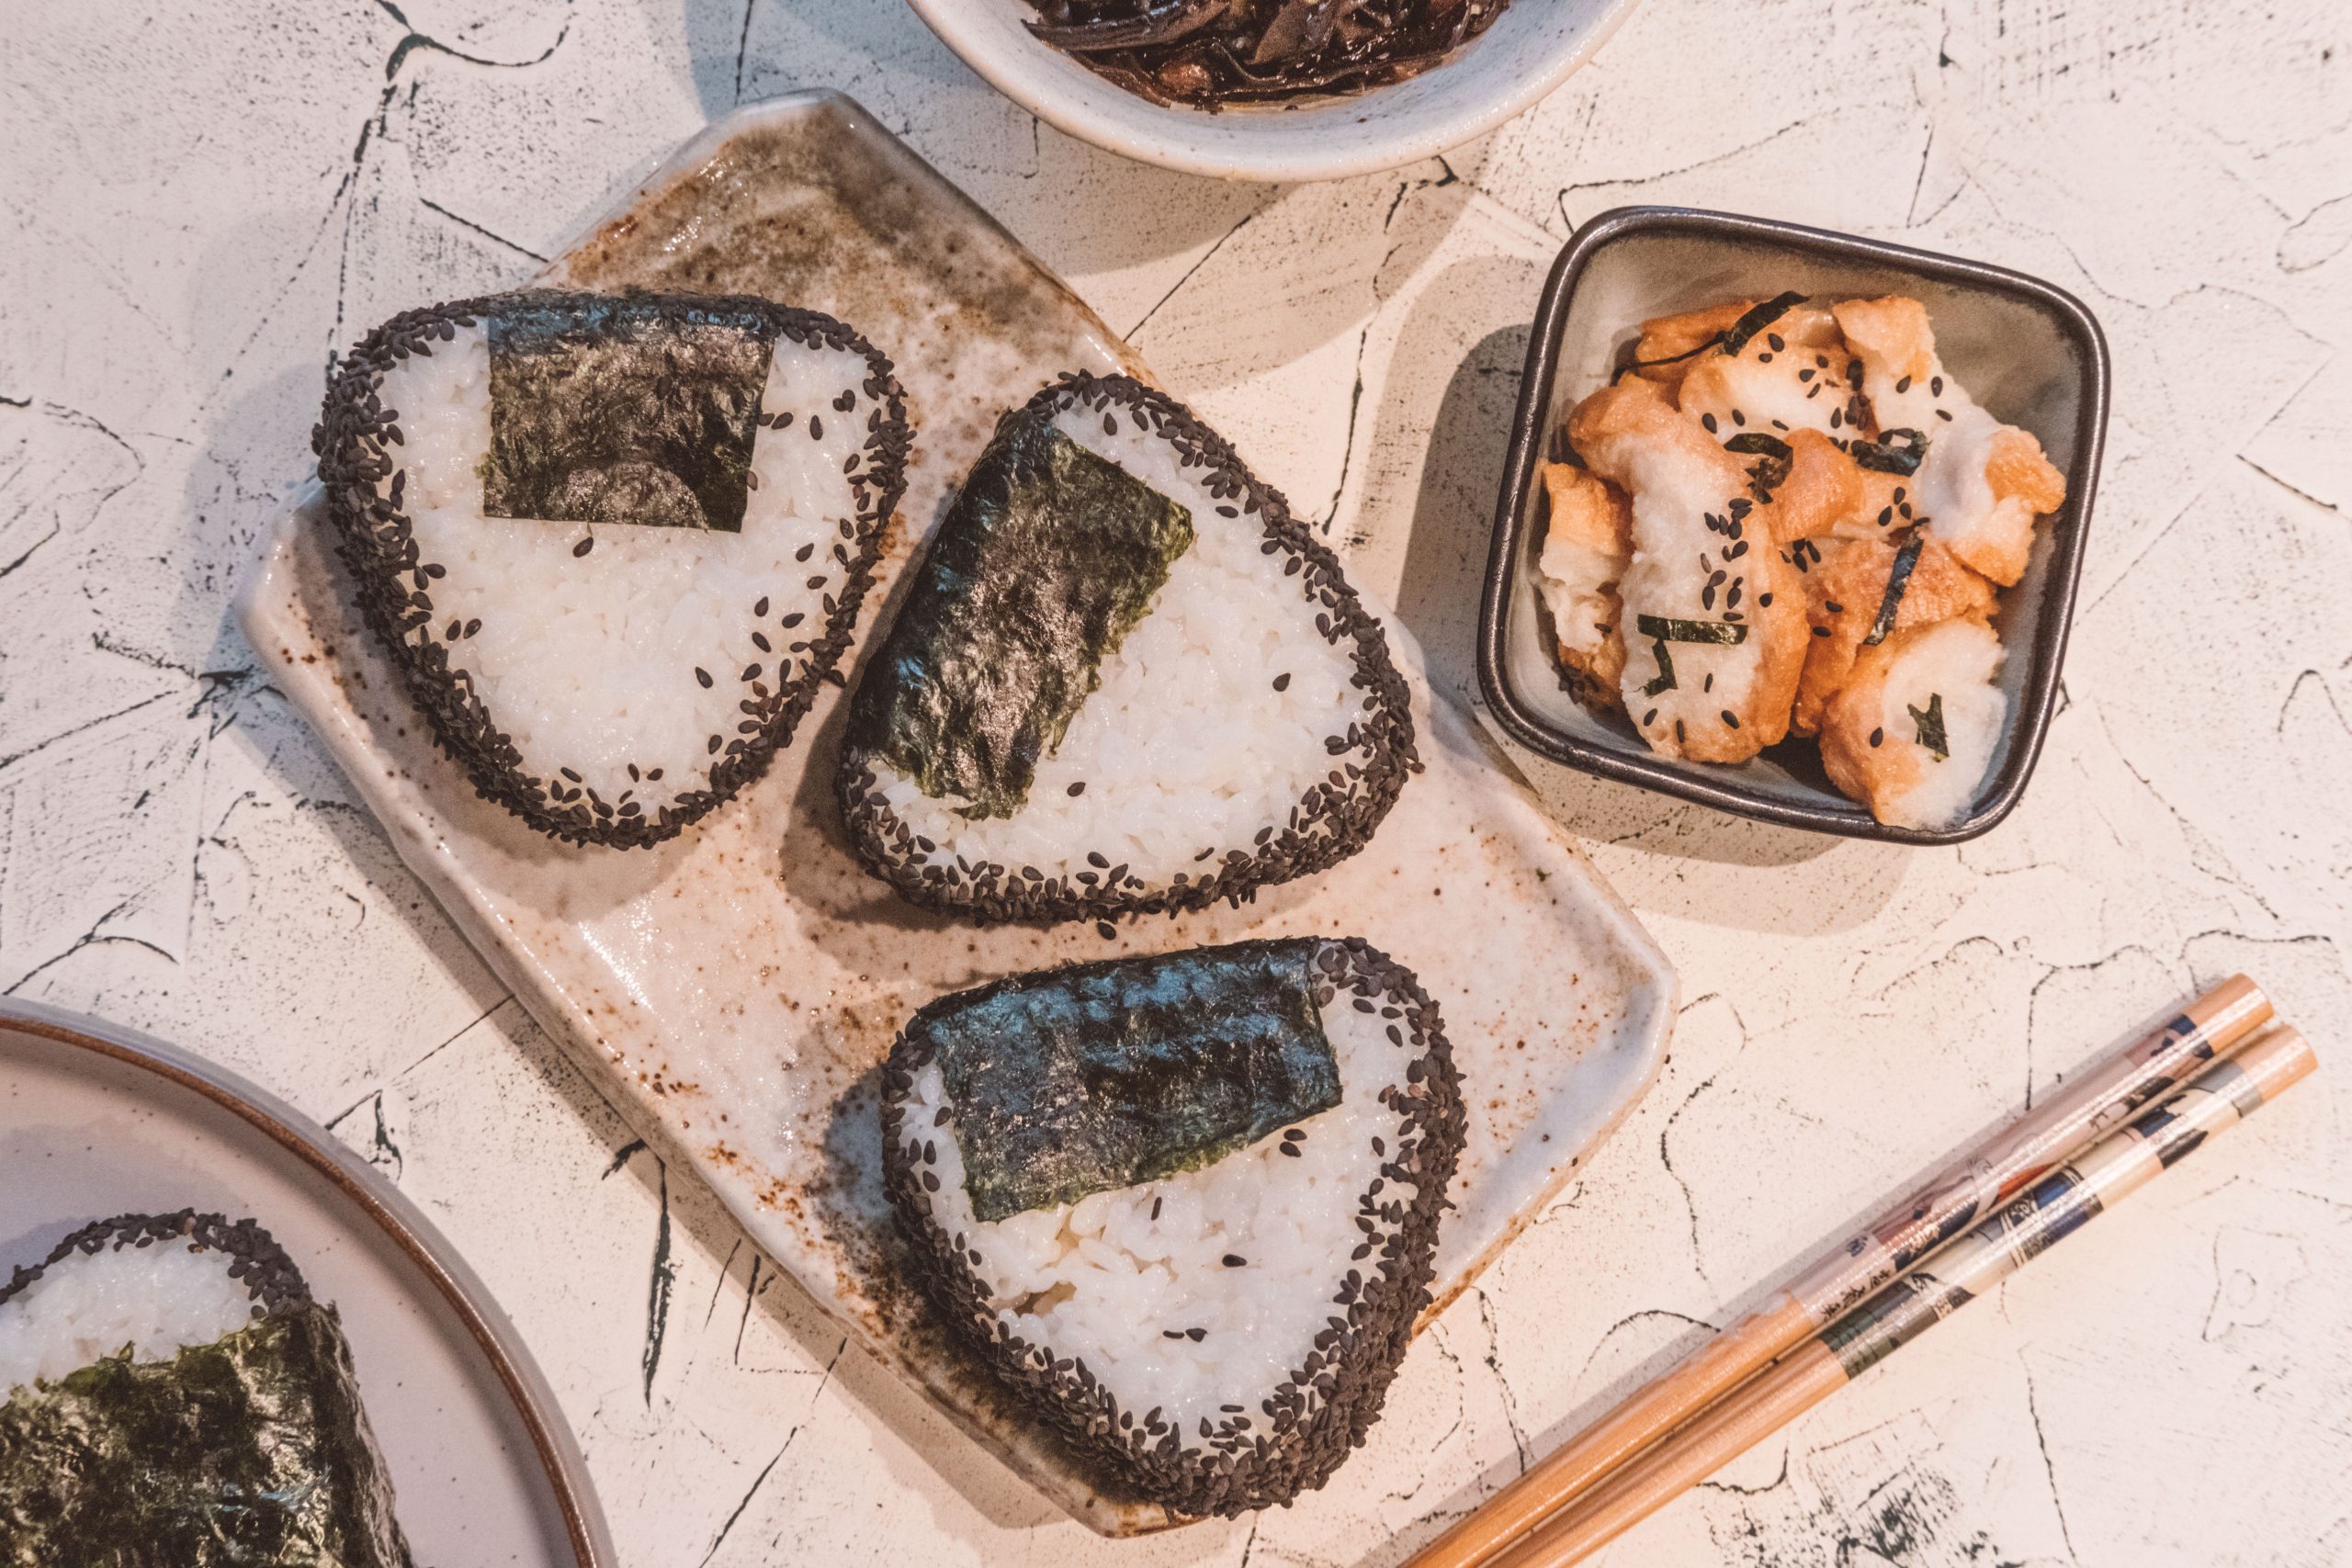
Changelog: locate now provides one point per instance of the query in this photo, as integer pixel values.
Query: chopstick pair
(1603, 1481)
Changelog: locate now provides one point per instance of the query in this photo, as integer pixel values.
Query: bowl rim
(2029, 724)
(1426, 135)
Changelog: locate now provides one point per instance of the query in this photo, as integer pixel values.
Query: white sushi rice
(1105, 1280)
(1185, 746)
(151, 1301)
(588, 661)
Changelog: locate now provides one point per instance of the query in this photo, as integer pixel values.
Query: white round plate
(1528, 50)
(96, 1120)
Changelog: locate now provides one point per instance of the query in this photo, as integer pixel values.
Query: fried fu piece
(1714, 616)
(1913, 733)
(1588, 544)
(1669, 345)
(1810, 491)
(1978, 483)
(1789, 375)
(1867, 591)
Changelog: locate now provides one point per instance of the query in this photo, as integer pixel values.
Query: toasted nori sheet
(247, 1452)
(1088, 1079)
(357, 441)
(1046, 559)
(605, 412)
(1334, 818)
(1324, 1408)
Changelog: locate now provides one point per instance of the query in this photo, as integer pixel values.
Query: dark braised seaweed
(1207, 53)
(1046, 560)
(1088, 1080)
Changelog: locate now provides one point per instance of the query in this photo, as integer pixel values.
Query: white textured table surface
(201, 201)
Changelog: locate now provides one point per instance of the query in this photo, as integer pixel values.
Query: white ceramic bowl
(1529, 50)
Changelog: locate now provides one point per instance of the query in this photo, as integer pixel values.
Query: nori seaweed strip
(1048, 557)
(601, 413)
(1664, 680)
(1326, 1406)
(1094, 1078)
(1930, 722)
(247, 1452)
(1724, 634)
(1887, 457)
(1898, 578)
(1759, 317)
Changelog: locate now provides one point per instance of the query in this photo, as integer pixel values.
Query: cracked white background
(201, 201)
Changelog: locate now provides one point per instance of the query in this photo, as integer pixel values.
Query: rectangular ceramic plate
(735, 990)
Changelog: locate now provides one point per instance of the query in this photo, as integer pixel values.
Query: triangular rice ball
(171, 1393)
(1124, 679)
(614, 545)
(1184, 1206)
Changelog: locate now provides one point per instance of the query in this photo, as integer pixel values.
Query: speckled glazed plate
(735, 990)
(96, 1120)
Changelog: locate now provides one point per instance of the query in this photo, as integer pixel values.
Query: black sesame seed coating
(1337, 815)
(354, 444)
(1323, 1409)
(251, 1254)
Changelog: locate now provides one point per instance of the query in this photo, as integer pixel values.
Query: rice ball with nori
(1184, 1206)
(171, 1394)
(613, 544)
(1124, 679)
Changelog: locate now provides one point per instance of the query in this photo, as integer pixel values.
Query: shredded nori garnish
(1664, 680)
(1048, 557)
(1757, 318)
(1723, 633)
(1894, 452)
(1756, 443)
(1675, 358)
(1930, 721)
(1898, 578)
(1093, 1078)
(613, 412)
(1773, 459)
(247, 1452)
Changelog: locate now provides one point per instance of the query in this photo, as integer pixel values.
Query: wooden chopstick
(2053, 1208)
(2079, 1109)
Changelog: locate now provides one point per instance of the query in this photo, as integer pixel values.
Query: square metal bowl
(2026, 349)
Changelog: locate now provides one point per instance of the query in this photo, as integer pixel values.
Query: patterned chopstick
(2055, 1206)
(2086, 1104)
